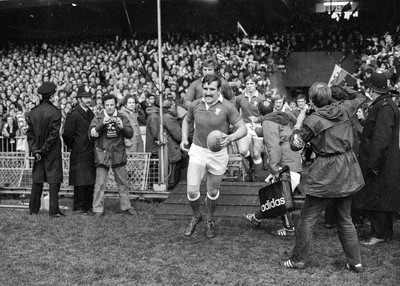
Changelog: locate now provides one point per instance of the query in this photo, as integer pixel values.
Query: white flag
(241, 28)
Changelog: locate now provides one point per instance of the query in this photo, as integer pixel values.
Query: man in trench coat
(43, 136)
(82, 170)
(379, 158)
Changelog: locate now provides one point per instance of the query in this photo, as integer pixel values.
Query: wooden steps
(235, 199)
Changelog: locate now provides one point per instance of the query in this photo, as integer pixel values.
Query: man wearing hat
(82, 170)
(379, 158)
(43, 136)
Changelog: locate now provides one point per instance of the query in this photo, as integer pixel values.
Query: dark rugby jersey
(249, 107)
(218, 117)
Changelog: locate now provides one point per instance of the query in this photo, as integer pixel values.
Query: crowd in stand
(124, 67)
(108, 87)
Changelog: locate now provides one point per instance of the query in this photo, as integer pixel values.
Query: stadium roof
(21, 4)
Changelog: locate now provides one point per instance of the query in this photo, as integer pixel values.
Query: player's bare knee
(213, 194)
(193, 193)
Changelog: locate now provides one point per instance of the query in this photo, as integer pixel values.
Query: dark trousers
(36, 194)
(331, 215)
(381, 224)
(176, 171)
(311, 210)
(83, 198)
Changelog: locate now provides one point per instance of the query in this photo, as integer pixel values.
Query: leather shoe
(210, 233)
(57, 215)
(131, 212)
(354, 268)
(192, 226)
(94, 214)
(372, 241)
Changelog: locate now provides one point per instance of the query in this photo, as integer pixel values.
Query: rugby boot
(210, 233)
(192, 226)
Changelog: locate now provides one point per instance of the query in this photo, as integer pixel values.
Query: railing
(16, 169)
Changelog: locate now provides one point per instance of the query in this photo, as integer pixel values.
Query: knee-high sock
(196, 208)
(211, 206)
(250, 159)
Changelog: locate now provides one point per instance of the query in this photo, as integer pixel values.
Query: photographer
(109, 129)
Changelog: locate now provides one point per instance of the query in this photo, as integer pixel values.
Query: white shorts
(215, 162)
(295, 179)
(251, 133)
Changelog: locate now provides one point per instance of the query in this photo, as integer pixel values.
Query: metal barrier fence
(16, 171)
(143, 172)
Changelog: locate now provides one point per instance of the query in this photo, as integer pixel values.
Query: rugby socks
(211, 206)
(196, 208)
(250, 159)
(258, 169)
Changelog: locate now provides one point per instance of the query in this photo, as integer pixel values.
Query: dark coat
(379, 151)
(43, 134)
(335, 172)
(82, 170)
(174, 136)
(152, 129)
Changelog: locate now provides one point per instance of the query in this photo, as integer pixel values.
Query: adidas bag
(276, 199)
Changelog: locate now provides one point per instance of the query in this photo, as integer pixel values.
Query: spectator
(173, 133)
(109, 130)
(130, 109)
(9, 133)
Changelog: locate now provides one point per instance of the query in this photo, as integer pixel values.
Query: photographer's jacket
(335, 172)
(110, 145)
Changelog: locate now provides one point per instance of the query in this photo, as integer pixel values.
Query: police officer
(82, 170)
(43, 136)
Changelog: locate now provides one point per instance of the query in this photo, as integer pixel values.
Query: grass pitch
(118, 249)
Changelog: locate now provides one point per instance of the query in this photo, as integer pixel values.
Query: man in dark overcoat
(173, 133)
(82, 170)
(43, 136)
(379, 159)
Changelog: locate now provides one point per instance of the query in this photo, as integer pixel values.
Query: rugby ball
(214, 140)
